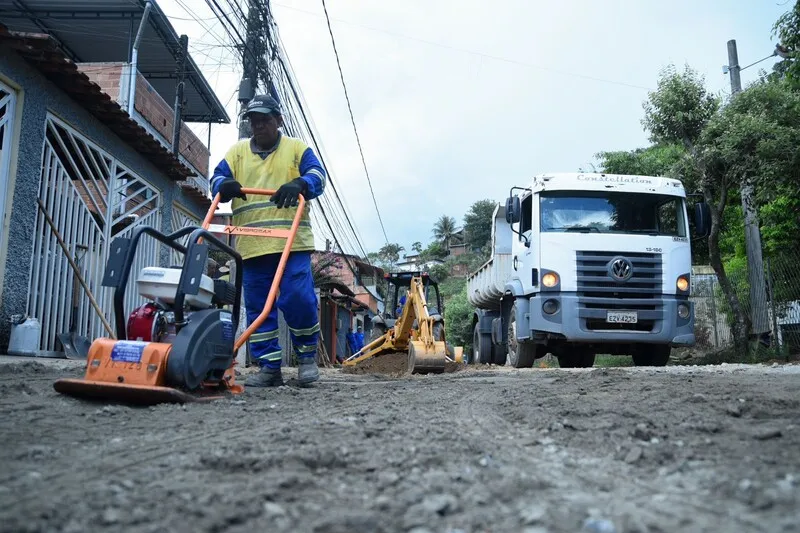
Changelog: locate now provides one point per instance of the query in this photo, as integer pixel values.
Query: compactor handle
(301, 202)
(289, 235)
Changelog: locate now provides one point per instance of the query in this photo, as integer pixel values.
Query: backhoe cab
(397, 296)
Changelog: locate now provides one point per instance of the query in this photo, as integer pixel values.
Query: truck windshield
(612, 212)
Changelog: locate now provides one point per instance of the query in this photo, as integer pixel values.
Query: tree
(668, 160)
(326, 269)
(417, 247)
(679, 111)
(787, 29)
(458, 319)
(656, 160)
(435, 250)
(444, 230)
(478, 224)
(390, 253)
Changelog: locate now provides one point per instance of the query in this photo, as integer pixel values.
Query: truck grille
(599, 293)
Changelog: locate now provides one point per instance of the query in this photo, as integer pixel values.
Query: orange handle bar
(273, 290)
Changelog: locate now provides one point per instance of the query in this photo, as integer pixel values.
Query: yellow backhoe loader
(415, 331)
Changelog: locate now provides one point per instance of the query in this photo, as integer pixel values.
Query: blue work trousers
(296, 300)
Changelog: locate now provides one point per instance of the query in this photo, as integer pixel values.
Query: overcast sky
(458, 101)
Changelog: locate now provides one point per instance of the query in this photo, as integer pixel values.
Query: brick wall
(107, 75)
(152, 107)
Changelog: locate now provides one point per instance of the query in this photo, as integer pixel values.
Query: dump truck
(587, 263)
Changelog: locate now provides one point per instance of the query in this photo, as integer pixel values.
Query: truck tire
(481, 348)
(520, 355)
(499, 354)
(576, 359)
(654, 355)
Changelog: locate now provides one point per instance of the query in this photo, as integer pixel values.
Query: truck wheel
(576, 359)
(499, 355)
(481, 348)
(520, 355)
(654, 355)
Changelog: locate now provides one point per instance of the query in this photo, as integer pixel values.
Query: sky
(459, 101)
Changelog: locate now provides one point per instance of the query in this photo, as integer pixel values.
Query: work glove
(230, 189)
(288, 193)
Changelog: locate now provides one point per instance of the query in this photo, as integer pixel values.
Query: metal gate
(91, 198)
(180, 219)
(8, 102)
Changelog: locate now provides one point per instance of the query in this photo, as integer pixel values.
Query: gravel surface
(713, 448)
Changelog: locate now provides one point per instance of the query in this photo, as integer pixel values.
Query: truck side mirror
(513, 210)
(702, 219)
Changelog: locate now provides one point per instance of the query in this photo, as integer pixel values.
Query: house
(457, 249)
(412, 262)
(348, 299)
(96, 151)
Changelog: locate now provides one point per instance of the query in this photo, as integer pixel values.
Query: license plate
(622, 317)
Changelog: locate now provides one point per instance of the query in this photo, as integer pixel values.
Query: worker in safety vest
(272, 160)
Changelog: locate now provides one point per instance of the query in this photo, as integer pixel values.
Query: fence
(774, 314)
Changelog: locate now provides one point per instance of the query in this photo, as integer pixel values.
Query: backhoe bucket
(424, 359)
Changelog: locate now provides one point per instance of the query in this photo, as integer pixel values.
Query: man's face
(265, 128)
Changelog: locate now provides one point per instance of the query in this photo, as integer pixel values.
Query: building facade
(69, 151)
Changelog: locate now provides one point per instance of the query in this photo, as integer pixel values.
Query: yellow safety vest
(280, 167)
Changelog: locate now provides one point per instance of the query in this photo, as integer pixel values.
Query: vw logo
(620, 269)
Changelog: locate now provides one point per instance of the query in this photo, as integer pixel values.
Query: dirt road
(601, 450)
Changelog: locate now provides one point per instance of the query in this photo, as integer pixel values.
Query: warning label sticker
(128, 351)
(227, 326)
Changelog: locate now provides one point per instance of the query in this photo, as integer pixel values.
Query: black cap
(263, 103)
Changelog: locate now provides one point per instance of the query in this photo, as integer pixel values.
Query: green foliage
(416, 247)
(439, 272)
(435, 250)
(679, 109)
(390, 253)
(757, 136)
(458, 318)
(787, 29)
(478, 224)
(444, 230)
(780, 219)
(656, 160)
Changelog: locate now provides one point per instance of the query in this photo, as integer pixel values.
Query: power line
(277, 77)
(353, 120)
(475, 53)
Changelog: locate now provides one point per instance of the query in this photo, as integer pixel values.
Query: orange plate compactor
(180, 346)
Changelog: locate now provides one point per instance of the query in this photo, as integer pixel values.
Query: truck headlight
(682, 283)
(683, 311)
(550, 279)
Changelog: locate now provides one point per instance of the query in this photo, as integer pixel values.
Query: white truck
(585, 264)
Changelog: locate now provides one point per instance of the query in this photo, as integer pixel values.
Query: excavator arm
(416, 308)
(425, 353)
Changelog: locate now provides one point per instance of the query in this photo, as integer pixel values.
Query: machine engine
(154, 321)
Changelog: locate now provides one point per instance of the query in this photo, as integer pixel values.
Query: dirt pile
(392, 365)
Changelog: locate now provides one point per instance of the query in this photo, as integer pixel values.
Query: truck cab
(585, 264)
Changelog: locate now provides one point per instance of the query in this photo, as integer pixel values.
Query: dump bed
(486, 285)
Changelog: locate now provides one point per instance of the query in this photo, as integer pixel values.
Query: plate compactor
(180, 346)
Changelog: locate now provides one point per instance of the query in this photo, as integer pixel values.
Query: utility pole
(249, 82)
(176, 122)
(752, 233)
